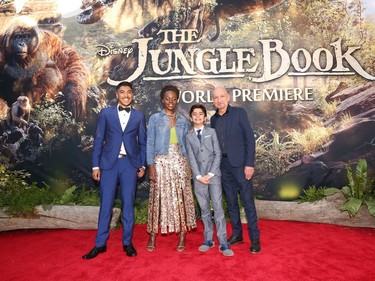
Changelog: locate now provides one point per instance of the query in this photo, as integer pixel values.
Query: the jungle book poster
(302, 69)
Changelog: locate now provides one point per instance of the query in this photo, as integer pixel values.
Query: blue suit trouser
(125, 175)
(233, 180)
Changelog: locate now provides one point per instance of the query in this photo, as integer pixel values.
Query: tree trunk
(72, 217)
(324, 211)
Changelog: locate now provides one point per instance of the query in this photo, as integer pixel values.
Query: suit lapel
(194, 138)
(203, 137)
(115, 117)
(205, 134)
(132, 117)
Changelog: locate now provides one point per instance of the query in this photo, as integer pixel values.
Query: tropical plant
(19, 197)
(80, 197)
(314, 194)
(359, 191)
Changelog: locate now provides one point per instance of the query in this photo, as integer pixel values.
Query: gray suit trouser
(214, 192)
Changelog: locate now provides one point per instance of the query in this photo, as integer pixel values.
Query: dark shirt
(221, 128)
(236, 137)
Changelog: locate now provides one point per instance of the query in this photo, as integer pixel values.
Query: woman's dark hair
(167, 88)
(124, 83)
(201, 106)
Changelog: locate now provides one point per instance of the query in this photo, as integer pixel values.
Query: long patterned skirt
(171, 202)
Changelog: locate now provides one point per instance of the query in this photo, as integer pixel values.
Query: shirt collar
(162, 112)
(226, 112)
(196, 129)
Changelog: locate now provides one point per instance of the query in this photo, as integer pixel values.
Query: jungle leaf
(349, 175)
(68, 195)
(346, 190)
(360, 178)
(331, 190)
(352, 205)
(370, 206)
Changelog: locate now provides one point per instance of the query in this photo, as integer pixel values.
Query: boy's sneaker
(206, 246)
(226, 250)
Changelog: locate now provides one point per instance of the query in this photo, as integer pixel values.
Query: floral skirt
(171, 202)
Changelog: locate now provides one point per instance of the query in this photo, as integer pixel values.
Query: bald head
(220, 99)
(219, 90)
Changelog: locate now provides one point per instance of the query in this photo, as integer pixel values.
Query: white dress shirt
(196, 130)
(124, 119)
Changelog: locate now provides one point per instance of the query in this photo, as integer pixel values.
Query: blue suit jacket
(109, 136)
(239, 137)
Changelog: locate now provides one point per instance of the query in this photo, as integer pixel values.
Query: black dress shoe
(130, 250)
(94, 252)
(235, 240)
(255, 246)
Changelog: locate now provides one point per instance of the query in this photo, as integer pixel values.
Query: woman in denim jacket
(171, 203)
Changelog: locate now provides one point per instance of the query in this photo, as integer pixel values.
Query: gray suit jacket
(205, 156)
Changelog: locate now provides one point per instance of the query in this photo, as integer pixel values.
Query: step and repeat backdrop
(302, 69)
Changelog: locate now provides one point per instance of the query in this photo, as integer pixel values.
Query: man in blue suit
(119, 156)
(237, 143)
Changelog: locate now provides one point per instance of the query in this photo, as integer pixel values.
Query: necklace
(171, 115)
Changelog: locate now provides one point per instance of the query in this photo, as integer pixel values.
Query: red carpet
(290, 251)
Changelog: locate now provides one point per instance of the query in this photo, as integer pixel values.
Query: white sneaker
(206, 246)
(226, 250)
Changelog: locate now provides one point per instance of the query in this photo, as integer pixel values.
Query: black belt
(224, 155)
(121, 155)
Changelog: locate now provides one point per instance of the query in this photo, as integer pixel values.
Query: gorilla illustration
(38, 64)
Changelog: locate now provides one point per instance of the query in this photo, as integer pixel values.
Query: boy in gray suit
(204, 156)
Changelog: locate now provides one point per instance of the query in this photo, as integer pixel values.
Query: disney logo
(104, 50)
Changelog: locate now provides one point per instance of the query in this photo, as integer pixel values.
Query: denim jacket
(158, 134)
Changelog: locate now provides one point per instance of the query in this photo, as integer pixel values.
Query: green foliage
(74, 196)
(23, 203)
(314, 194)
(89, 198)
(359, 191)
(68, 195)
(141, 211)
(11, 181)
(57, 123)
(19, 198)
(370, 205)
